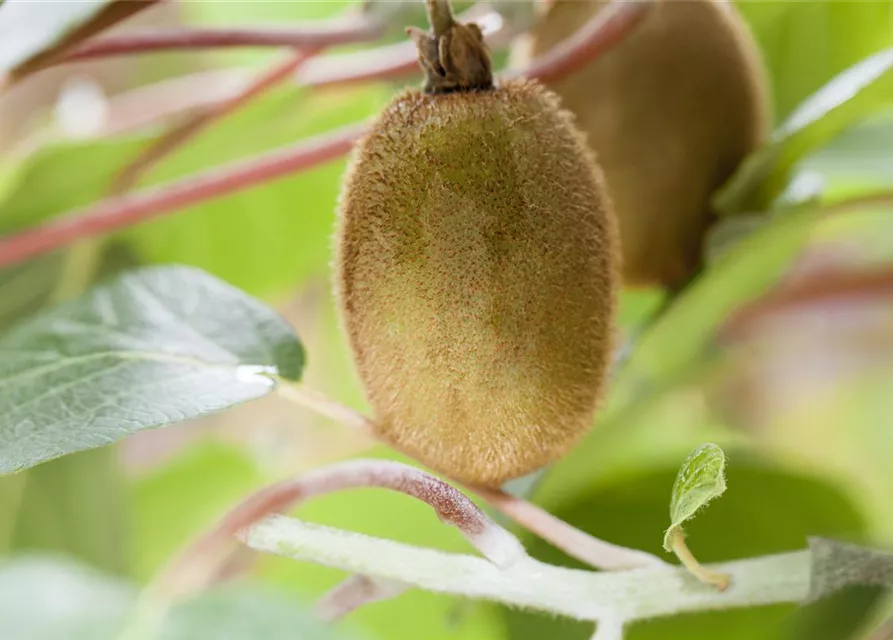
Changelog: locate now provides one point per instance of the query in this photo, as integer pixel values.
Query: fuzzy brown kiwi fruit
(670, 112)
(477, 261)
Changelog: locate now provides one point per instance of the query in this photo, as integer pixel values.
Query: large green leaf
(151, 347)
(805, 44)
(75, 505)
(49, 598)
(765, 510)
(26, 287)
(855, 93)
(859, 160)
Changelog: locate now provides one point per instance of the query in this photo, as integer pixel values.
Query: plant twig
(175, 137)
(339, 31)
(201, 561)
(116, 213)
(858, 285)
(605, 30)
(617, 597)
(608, 629)
(203, 557)
(123, 211)
(353, 593)
(572, 541)
(108, 16)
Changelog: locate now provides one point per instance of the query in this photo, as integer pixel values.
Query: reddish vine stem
(857, 285)
(111, 14)
(572, 541)
(319, 34)
(353, 593)
(827, 285)
(176, 136)
(123, 211)
(202, 559)
(604, 31)
(119, 212)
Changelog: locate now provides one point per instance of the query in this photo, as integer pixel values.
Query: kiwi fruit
(477, 264)
(670, 113)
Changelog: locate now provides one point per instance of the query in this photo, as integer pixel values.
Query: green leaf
(49, 598)
(837, 565)
(859, 160)
(849, 97)
(26, 28)
(805, 44)
(771, 510)
(152, 347)
(76, 505)
(26, 287)
(701, 478)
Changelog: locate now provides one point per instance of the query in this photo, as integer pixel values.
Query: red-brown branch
(353, 593)
(175, 137)
(604, 31)
(572, 541)
(827, 285)
(116, 213)
(202, 559)
(124, 211)
(829, 288)
(110, 15)
(312, 36)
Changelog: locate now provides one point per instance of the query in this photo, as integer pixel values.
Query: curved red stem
(316, 35)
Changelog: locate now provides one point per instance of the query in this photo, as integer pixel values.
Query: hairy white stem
(609, 629)
(616, 598)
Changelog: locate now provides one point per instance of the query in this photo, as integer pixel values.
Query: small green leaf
(831, 110)
(701, 479)
(26, 28)
(151, 347)
(837, 565)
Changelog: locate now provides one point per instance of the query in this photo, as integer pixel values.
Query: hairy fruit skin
(670, 112)
(477, 266)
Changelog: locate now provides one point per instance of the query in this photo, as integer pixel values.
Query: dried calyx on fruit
(670, 113)
(477, 266)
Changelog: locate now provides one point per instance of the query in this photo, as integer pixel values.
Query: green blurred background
(809, 452)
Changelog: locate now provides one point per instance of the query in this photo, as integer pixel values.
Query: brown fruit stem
(440, 15)
(454, 57)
